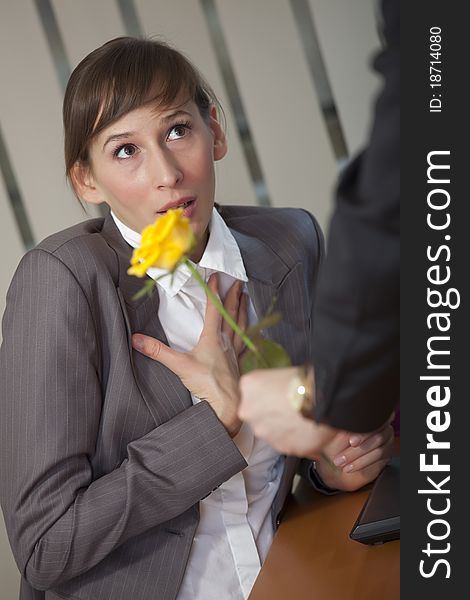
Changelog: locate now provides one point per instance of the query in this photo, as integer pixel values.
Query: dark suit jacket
(356, 337)
(103, 456)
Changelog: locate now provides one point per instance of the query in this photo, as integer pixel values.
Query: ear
(84, 184)
(220, 141)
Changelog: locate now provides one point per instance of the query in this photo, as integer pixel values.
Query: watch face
(294, 394)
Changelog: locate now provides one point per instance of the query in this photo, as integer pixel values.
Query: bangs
(142, 74)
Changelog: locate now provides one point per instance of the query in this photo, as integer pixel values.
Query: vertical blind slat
(30, 110)
(348, 38)
(281, 103)
(87, 24)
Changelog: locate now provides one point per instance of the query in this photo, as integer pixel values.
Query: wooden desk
(312, 557)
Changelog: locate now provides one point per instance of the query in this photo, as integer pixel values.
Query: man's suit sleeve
(356, 334)
(61, 520)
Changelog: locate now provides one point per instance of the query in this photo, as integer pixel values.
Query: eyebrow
(118, 136)
(177, 113)
(164, 120)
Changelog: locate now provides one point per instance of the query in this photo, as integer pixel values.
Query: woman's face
(151, 160)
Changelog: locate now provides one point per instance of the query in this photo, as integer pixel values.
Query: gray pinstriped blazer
(103, 457)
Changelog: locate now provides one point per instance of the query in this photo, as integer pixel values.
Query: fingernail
(355, 440)
(340, 460)
(349, 468)
(138, 342)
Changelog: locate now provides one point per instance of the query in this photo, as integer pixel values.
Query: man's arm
(356, 333)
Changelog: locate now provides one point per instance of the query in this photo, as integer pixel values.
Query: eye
(126, 151)
(178, 131)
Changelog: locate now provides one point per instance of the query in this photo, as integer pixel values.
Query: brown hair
(118, 77)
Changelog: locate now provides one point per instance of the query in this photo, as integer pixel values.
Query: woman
(118, 482)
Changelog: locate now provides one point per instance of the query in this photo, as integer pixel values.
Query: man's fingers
(158, 351)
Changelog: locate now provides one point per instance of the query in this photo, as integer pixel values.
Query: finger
(213, 318)
(231, 304)
(377, 439)
(385, 451)
(368, 462)
(357, 439)
(364, 476)
(242, 321)
(230, 355)
(157, 350)
(227, 346)
(337, 446)
(352, 453)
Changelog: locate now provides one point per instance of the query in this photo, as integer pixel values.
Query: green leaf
(268, 321)
(271, 355)
(146, 289)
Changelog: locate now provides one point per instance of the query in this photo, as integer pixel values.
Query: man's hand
(265, 406)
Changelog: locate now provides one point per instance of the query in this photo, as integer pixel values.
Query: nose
(165, 171)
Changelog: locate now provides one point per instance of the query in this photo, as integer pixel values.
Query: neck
(198, 251)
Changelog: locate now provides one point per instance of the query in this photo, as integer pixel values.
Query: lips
(185, 203)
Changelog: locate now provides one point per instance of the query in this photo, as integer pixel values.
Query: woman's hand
(210, 369)
(359, 458)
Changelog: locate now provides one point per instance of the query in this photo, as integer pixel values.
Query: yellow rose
(163, 244)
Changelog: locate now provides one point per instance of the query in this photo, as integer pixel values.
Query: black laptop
(379, 519)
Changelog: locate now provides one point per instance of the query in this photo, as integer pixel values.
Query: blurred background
(293, 77)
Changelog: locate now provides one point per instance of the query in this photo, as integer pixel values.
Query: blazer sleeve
(62, 521)
(356, 334)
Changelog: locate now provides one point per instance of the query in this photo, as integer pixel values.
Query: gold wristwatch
(301, 391)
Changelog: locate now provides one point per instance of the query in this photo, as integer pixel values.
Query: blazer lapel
(162, 391)
(271, 281)
(264, 274)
